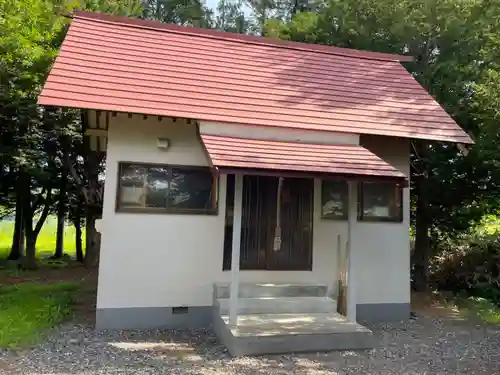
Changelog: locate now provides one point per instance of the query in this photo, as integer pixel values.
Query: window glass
(160, 187)
(334, 203)
(132, 183)
(157, 187)
(381, 201)
(191, 189)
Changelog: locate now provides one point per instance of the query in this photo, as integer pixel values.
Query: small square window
(334, 202)
(380, 201)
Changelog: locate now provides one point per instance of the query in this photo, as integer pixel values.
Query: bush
(469, 264)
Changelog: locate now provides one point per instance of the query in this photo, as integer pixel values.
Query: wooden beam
(103, 143)
(93, 143)
(98, 119)
(106, 124)
(96, 132)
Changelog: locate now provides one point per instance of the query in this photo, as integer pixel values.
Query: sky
(211, 4)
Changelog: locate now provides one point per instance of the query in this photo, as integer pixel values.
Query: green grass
(473, 308)
(480, 308)
(46, 240)
(27, 310)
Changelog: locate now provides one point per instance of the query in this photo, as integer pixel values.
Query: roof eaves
(239, 38)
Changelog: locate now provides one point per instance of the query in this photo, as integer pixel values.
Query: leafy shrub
(471, 264)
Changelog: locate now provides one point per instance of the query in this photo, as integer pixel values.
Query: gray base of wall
(153, 317)
(201, 316)
(382, 312)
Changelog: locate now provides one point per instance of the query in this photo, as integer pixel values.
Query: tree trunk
(77, 222)
(78, 241)
(58, 253)
(422, 227)
(17, 249)
(61, 214)
(29, 261)
(92, 242)
(92, 209)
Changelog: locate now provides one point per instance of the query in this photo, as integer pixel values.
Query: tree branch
(37, 201)
(45, 211)
(72, 170)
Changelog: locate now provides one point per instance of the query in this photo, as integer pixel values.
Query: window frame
(344, 217)
(168, 210)
(384, 219)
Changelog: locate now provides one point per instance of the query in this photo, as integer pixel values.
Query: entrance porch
(269, 226)
(281, 318)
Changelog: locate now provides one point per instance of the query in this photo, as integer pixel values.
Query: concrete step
(247, 290)
(279, 305)
(258, 334)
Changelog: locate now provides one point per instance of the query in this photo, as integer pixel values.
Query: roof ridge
(239, 38)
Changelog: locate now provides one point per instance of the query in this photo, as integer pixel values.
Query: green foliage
(303, 28)
(30, 33)
(180, 12)
(456, 50)
(33, 140)
(231, 17)
(129, 8)
(470, 264)
(28, 310)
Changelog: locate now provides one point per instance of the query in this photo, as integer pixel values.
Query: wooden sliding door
(260, 211)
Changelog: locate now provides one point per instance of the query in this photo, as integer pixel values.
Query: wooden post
(235, 256)
(351, 282)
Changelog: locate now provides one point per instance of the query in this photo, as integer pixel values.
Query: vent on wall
(179, 310)
(163, 143)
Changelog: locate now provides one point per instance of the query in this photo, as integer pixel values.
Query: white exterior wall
(150, 260)
(158, 260)
(278, 134)
(382, 249)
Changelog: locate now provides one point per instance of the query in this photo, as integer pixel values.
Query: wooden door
(259, 210)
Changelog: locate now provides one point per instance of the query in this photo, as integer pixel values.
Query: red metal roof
(119, 64)
(347, 160)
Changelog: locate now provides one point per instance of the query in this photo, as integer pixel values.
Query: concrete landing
(249, 290)
(279, 305)
(258, 334)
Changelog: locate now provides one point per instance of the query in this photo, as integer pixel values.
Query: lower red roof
(345, 160)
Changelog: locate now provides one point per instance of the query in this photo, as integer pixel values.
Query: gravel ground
(422, 346)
